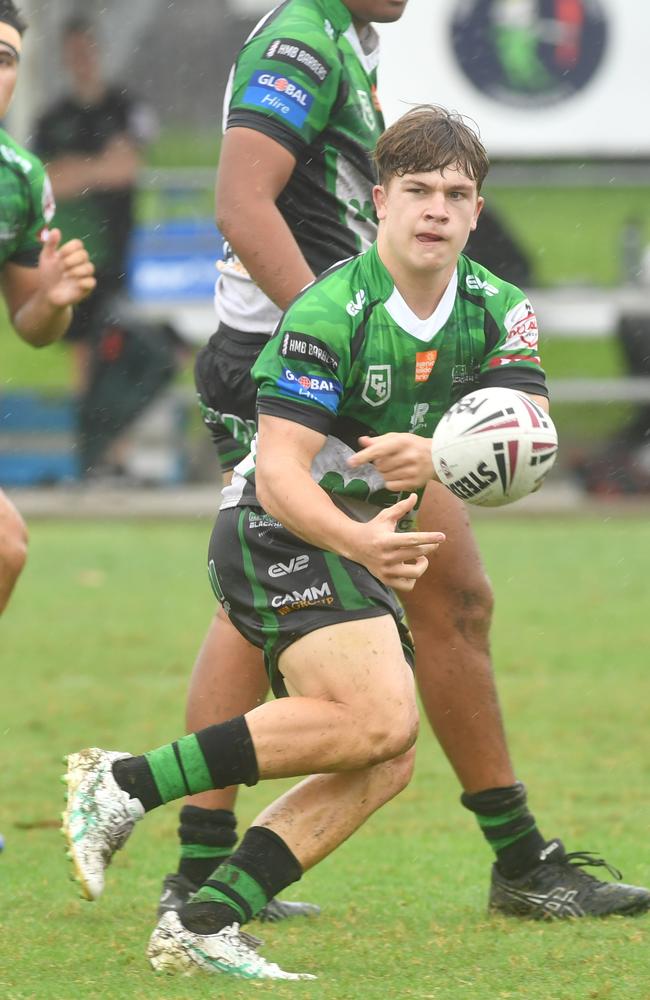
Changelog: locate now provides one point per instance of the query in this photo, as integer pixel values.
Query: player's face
(81, 57)
(382, 11)
(10, 46)
(426, 219)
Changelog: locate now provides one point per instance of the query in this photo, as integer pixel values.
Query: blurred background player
(92, 139)
(41, 278)
(294, 195)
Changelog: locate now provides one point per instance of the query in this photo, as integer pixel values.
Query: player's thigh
(455, 581)
(357, 661)
(276, 588)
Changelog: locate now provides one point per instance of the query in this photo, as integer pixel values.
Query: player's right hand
(397, 558)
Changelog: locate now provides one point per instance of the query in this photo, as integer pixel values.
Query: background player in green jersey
(308, 548)
(41, 279)
(293, 196)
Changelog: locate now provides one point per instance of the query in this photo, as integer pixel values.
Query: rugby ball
(494, 446)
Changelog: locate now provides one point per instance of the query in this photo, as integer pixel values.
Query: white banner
(540, 77)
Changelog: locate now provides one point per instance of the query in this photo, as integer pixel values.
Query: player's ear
(379, 199)
(480, 202)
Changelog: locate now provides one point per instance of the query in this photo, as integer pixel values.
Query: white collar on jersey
(423, 329)
(366, 48)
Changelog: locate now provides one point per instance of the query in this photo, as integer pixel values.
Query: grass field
(96, 649)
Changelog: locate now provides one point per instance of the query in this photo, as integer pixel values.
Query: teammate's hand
(66, 273)
(398, 559)
(404, 460)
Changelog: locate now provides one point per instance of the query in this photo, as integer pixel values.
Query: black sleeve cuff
(308, 416)
(26, 258)
(523, 379)
(267, 126)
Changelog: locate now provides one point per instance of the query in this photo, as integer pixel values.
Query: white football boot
(98, 817)
(232, 952)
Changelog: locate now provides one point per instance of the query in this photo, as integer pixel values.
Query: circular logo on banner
(529, 53)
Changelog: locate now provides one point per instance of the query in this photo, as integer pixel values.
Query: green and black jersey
(26, 204)
(306, 79)
(350, 358)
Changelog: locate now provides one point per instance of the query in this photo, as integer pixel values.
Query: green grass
(97, 646)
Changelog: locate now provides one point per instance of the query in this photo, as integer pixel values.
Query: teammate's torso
(306, 79)
(358, 361)
(26, 203)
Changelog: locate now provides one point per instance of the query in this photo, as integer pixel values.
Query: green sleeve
(512, 357)
(39, 212)
(286, 83)
(302, 372)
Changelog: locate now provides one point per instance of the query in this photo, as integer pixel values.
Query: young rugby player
(313, 538)
(41, 279)
(294, 195)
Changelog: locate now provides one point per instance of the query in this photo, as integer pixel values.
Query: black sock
(261, 867)
(509, 828)
(207, 838)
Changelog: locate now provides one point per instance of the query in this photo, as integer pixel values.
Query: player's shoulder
(334, 295)
(18, 158)
(296, 34)
(485, 288)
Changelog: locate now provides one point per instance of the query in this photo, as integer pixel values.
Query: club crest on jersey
(377, 387)
(279, 95)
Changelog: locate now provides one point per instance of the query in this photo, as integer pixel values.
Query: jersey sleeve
(301, 373)
(511, 357)
(285, 86)
(39, 213)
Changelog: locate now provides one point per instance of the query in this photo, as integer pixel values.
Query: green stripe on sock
(488, 821)
(196, 770)
(241, 882)
(166, 773)
(168, 776)
(498, 845)
(204, 851)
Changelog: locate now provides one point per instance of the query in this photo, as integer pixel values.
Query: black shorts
(222, 374)
(276, 588)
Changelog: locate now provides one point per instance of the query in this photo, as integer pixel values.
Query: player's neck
(89, 92)
(421, 290)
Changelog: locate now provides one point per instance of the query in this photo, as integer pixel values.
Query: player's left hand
(404, 460)
(66, 273)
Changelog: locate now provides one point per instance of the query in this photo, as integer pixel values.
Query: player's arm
(115, 167)
(286, 490)
(40, 299)
(254, 169)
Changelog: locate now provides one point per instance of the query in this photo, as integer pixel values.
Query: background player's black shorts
(227, 392)
(276, 588)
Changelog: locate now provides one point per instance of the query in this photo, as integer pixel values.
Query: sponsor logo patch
(302, 347)
(424, 362)
(476, 284)
(355, 306)
(295, 53)
(299, 600)
(279, 95)
(325, 391)
(521, 327)
(295, 565)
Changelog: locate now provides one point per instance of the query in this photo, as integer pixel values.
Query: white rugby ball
(494, 446)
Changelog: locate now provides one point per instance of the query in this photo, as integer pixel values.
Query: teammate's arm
(40, 299)
(253, 171)
(286, 490)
